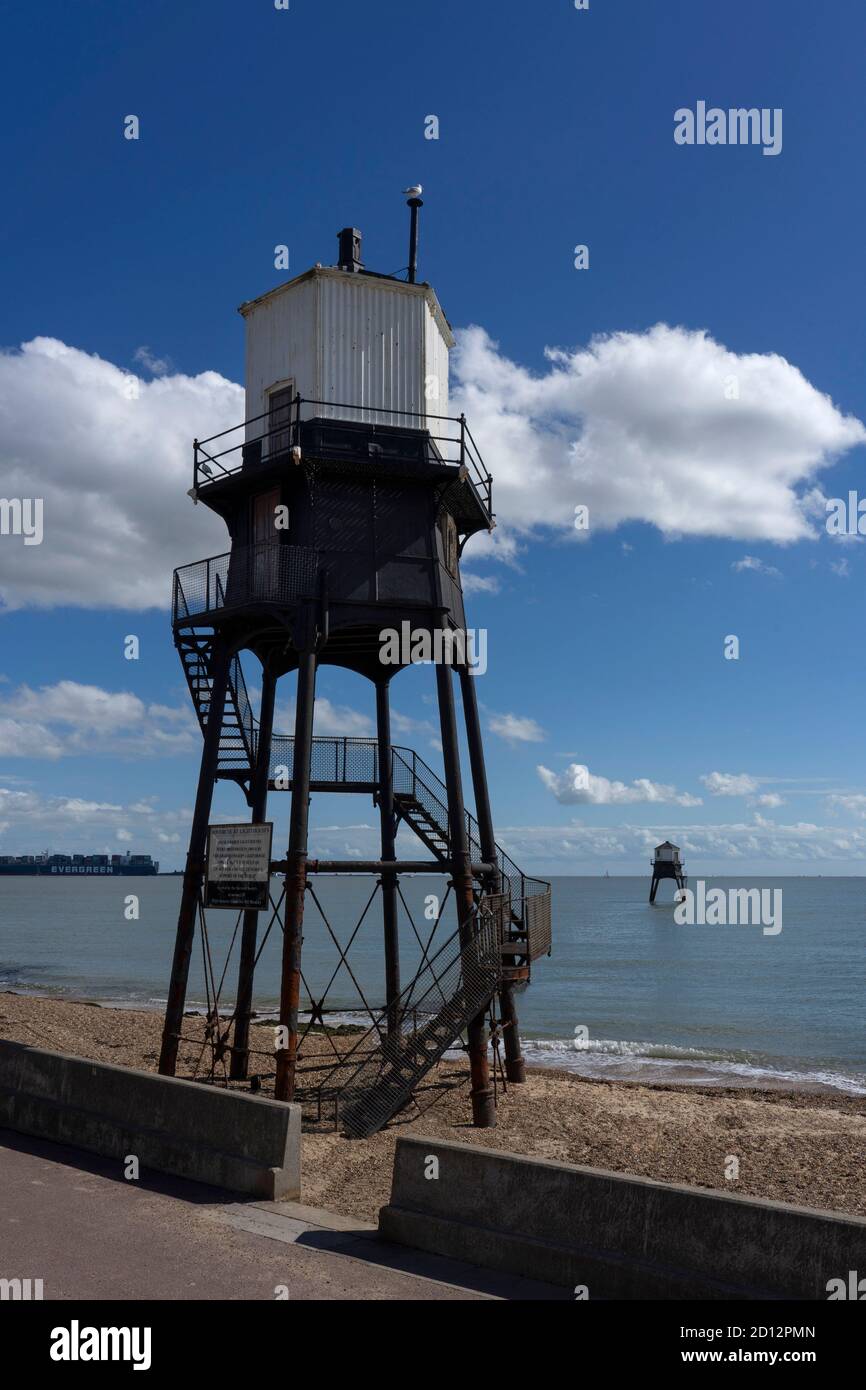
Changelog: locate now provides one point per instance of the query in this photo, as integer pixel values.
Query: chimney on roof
(350, 249)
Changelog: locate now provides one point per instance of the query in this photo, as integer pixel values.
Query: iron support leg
(259, 800)
(483, 1106)
(388, 833)
(515, 1068)
(296, 879)
(194, 862)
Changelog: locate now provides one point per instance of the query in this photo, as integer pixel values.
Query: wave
(619, 1060)
(601, 1059)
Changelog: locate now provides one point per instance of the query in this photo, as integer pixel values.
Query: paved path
(66, 1217)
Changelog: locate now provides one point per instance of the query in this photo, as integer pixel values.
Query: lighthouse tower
(667, 864)
(348, 493)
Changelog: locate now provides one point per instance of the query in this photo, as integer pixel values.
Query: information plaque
(238, 865)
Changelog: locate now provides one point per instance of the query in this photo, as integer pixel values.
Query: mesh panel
(405, 579)
(343, 760)
(344, 515)
(350, 575)
(538, 924)
(421, 788)
(268, 573)
(199, 588)
(451, 990)
(402, 523)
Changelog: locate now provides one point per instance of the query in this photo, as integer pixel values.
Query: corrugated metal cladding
(374, 347)
(353, 341)
(282, 346)
(436, 365)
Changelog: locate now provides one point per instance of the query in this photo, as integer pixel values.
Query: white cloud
(77, 809)
(86, 707)
(578, 786)
(157, 366)
(637, 427)
(328, 719)
(404, 724)
(516, 728)
(751, 562)
(331, 719)
(110, 456)
(770, 800)
(75, 824)
(29, 820)
(852, 802)
(730, 783)
(479, 583)
(23, 739)
(563, 848)
(69, 718)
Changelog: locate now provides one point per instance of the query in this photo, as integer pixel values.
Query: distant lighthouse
(667, 864)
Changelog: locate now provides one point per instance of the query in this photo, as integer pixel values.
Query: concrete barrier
(241, 1142)
(621, 1237)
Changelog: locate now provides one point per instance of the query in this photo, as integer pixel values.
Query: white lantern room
(353, 344)
(667, 853)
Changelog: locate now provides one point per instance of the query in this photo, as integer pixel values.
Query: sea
(627, 994)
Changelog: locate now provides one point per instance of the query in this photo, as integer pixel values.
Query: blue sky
(261, 127)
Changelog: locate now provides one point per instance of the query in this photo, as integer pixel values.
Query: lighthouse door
(280, 419)
(266, 546)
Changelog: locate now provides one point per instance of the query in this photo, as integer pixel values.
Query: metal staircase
(420, 799)
(458, 983)
(238, 736)
(428, 830)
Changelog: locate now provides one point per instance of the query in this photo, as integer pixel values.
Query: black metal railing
(413, 776)
(265, 573)
(274, 572)
(226, 453)
(341, 761)
(247, 724)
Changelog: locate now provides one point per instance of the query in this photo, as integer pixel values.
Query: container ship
(72, 865)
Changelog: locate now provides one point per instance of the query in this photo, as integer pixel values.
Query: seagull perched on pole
(414, 192)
